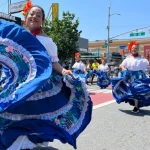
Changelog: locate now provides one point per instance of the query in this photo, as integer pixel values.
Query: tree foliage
(65, 34)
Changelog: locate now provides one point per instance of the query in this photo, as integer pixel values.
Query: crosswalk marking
(96, 89)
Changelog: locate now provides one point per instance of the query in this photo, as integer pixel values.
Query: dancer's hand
(69, 72)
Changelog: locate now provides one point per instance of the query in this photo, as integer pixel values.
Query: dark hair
(43, 13)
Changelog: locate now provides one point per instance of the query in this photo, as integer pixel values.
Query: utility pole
(108, 28)
(9, 3)
(98, 53)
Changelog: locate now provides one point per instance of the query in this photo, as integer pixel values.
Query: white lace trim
(54, 59)
(13, 66)
(49, 93)
(10, 64)
(63, 110)
(45, 116)
(24, 52)
(76, 126)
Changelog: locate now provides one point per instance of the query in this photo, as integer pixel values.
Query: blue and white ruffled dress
(36, 104)
(103, 79)
(133, 85)
(79, 73)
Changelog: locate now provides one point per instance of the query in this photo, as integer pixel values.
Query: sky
(93, 16)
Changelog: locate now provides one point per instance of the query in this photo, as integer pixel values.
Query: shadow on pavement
(141, 113)
(44, 148)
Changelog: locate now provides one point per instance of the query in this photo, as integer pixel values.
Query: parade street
(113, 126)
(74, 75)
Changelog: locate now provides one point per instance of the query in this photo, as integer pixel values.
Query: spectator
(95, 65)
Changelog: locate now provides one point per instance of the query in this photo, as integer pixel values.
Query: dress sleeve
(74, 66)
(52, 50)
(99, 67)
(124, 63)
(146, 63)
(107, 67)
(83, 66)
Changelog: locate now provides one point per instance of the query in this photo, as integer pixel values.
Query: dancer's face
(102, 61)
(34, 19)
(135, 49)
(77, 59)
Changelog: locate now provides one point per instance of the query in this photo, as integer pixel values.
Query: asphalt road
(113, 127)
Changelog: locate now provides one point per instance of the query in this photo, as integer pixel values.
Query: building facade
(117, 50)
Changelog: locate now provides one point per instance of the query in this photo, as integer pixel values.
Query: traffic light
(106, 43)
(110, 41)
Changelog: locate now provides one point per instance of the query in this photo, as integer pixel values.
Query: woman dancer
(126, 89)
(102, 73)
(79, 68)
(40, 107)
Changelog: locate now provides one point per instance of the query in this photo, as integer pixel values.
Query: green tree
(65, 34)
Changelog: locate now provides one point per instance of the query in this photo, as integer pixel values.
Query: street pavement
(100, 96)
(96, 89)
(113, 127)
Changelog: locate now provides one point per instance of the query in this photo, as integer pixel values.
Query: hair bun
(27, 7)
(131, 44)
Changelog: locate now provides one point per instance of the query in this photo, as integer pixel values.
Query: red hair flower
(27, 7)
(131, 44)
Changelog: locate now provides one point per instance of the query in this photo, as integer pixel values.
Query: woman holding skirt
(102, 73)
(40, 101)
(129, 87)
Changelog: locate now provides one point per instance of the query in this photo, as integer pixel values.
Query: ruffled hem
(72, 120)
(64, 111)
(49, 93)
(24, 52)
(33, 70)
(131, 88)
(87, 99)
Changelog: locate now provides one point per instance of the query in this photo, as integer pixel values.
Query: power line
(4, 3)
(128, 26)
(130, 31)
(4, 6)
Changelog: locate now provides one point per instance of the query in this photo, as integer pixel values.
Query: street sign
(141, 33)
(17, 7)
(83, 50)
(104, 46)
(123, 46)
(137, 34)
